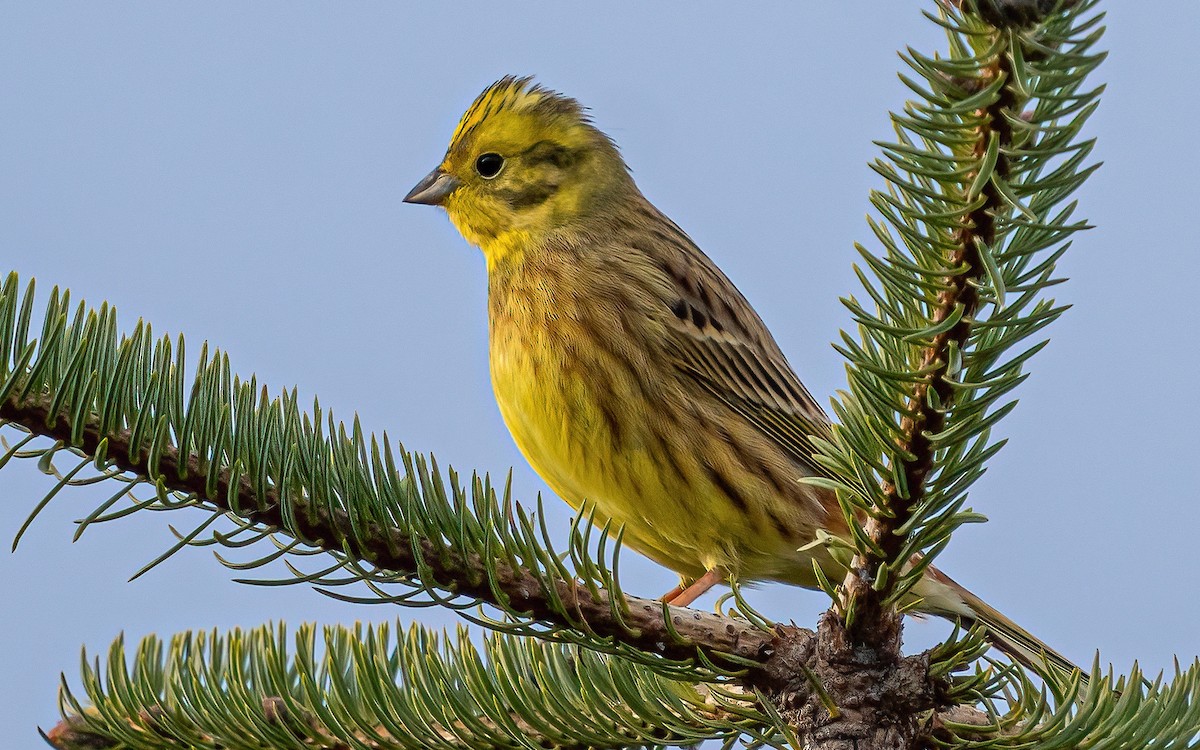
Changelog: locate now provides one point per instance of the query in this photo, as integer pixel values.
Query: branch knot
(847, 695)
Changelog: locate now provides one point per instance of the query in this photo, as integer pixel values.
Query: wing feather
(720, 343)
(724, 370)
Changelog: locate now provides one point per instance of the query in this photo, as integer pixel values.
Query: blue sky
(233, 171)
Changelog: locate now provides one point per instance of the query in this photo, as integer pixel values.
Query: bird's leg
(670, 595)
(682, 597)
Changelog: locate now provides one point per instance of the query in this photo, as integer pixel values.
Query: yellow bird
(631, 371)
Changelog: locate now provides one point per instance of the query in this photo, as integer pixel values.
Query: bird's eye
(489, 165)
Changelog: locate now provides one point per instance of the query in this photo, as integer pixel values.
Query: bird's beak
(433, 189)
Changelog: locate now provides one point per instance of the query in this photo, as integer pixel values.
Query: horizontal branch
(74, 733)
(375, 688)
(690, 633)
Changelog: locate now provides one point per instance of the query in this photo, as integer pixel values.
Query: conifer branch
(368, 689)
(925, 413)
(971, 233)
(74, 733)
(689, 634)
(970, 239)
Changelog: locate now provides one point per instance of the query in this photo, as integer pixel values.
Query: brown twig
(75, 733)
(922, 417)
(390, 549)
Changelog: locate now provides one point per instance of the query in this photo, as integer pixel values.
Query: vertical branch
(965, 215)
(925, 413)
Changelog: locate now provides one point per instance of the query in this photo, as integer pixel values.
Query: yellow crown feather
(517, 94)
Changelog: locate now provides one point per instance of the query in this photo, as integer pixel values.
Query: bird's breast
(551, 392)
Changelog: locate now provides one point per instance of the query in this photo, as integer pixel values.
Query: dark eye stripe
(553, 153)
(526, 196)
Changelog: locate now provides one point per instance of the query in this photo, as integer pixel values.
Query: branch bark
(700, 634)
(75, 732)
(923, 418)
(884, 718)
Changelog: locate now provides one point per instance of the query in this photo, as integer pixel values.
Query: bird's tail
(944, 597)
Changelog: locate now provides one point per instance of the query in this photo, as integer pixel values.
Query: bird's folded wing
(751, 377)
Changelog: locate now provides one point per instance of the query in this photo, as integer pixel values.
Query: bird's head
(523, 162)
